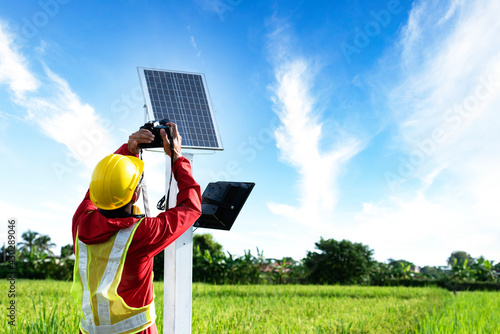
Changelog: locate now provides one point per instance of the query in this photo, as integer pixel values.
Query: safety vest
(97, 273)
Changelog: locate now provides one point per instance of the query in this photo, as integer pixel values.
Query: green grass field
(47, 307)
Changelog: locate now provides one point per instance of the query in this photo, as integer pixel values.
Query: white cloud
(446, 107)
(299, 136)
(446, 111)
(193, 43)
(64, 118)
(47, 101)
(218, 7)
(13, 71)
(425, 230)
(54, 107)
(451, 10)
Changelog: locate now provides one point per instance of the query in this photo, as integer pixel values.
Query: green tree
(483, 270)
(461, 257)
(43, 244)
(3, 254)
(159, 266)
(66, 251)
(461, 271)
(28, 245)
(209, 261)
(401, 268)
(242, 269)
(380, 273)
(206, 242)
(341, 262)
(35, 261)
(496, 269)
(431, 272)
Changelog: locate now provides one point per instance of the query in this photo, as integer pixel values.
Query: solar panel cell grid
(181, 97)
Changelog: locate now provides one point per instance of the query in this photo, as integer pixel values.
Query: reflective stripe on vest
(103, 310)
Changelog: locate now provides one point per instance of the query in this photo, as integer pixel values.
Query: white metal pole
(177, 301)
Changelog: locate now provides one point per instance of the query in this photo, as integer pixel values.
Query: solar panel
(182, 98)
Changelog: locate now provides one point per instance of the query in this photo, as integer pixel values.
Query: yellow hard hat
(114, 181)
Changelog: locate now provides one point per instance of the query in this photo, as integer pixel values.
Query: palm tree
(28, 245)
(43, 244)
(35, 243)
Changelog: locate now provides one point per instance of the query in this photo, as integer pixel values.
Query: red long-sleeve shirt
(152, 236)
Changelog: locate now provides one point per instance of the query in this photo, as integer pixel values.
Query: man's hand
(177, 142)
(139, 137)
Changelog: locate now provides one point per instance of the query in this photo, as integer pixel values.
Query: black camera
(155, 127)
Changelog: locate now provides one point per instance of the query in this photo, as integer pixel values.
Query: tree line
(339, 262)
(333, 262)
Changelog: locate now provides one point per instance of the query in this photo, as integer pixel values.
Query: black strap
(118, 214)
(162, 205)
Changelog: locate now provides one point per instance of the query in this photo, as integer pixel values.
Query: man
(114, 245)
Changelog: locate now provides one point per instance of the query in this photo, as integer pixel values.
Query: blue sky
(372, 121)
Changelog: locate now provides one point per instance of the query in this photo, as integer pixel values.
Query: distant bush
(407, 282)
(454, 285)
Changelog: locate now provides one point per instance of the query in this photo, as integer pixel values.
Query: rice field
(47, 307)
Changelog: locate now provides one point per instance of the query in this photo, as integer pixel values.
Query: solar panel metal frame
(184, 133)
